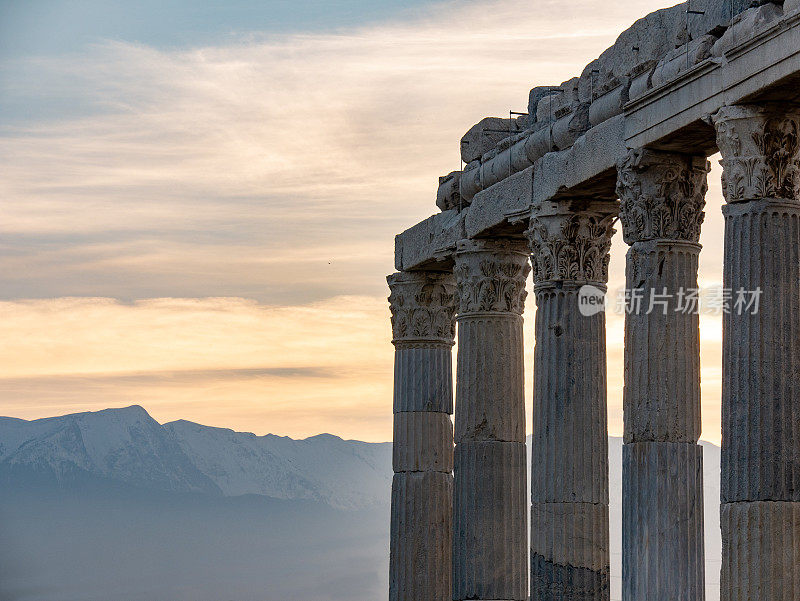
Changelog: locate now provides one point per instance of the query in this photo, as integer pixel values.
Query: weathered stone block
(761, 551)
(594, 153)
(746, 25)
(423, 442)
(429, 241)
(608, 105)
(662, 517)
(761, 354)
(490, 534)
(491, 206)
(681, 59)
(421, 537)
(448, 195)
(536, 95)
(569, 552)
(552, 106)
(570, 127)
(491, 405)
(484, 136)
(423, 379)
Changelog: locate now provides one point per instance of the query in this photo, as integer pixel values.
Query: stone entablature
(662, 195)
(655, 51)
(672, 116)
(760, 148)
(570, 245)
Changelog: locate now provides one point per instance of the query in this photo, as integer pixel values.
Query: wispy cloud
(188, 165)
(234, 362)
(275, 170)
(227, 361)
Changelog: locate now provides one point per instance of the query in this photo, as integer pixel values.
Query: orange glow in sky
(208, 235)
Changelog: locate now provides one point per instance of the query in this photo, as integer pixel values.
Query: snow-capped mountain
(130, 447)
(182, 510)
(345, 474)
(122, 445)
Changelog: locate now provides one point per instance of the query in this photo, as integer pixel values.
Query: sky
(200, 198)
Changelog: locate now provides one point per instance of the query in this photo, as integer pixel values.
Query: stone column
(662, 198)
(760, 511)
(489, 506)
(423, 327)
(569, 456)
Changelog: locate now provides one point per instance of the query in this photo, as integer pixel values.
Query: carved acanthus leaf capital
(571, 246)
(662, 195)
(423, 307)
(491, 276)
(760, 148)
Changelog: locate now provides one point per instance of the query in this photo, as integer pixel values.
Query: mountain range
(128, 446)
(114, 505)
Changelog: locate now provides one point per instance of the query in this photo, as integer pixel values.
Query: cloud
(270, 172)
(224, 361)
(97, 335)
(231, 362)
(244, 169)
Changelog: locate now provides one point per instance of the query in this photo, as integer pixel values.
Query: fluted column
(423, 328)
(760, 510)
(569, 455)
(489, 507)
(662, 198)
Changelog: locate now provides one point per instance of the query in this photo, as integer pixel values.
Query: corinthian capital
(760, 148)
(423, 307)
(571, 244)
(491, 275)
(662, 195)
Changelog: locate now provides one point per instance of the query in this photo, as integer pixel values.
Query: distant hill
(345, 474)
(127, 446)
(122, 445)
(113, 505)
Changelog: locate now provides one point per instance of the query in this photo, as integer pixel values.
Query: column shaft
(662, 348)
(662, 198)
(489, 519)
(569, 456)
(760, 482)
(423, 311)
(761, 355)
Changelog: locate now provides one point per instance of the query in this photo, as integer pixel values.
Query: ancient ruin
(627, 141)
